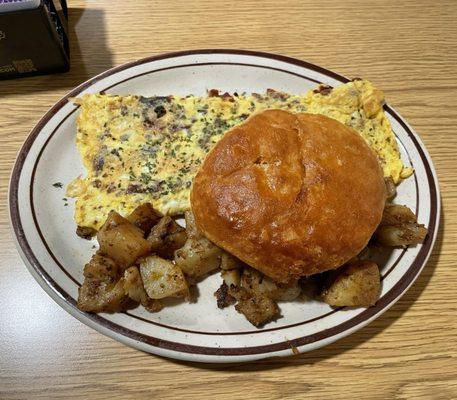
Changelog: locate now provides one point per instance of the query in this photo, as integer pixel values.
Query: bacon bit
(227, 96)
(213, 93)
(276, 95)
(135, 188)
(323, 90)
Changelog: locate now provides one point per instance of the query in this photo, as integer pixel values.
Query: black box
(33, 40)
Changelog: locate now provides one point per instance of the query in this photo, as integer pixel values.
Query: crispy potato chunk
(257, 308)
(161, 278)
(144, 217)
(133, 286)
(229, 262)
(404, 235)
(102, 290)
(198, 257)
(395, 214)
(399, 227)
(231, 280)
(122, 241)
(354, 285)
(166, 237)
(231, 277)
(255, 282)
(223, 297)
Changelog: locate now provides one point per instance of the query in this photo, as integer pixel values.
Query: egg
(148, 149)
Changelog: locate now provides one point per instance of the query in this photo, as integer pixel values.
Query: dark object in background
(33, 41)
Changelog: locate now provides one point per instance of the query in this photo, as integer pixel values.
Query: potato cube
(231, 277)
(166, 237)
(198, 257)
(354, 285)
(133, 286)
(144, 217)
(255, 282)
(402, 235)
(122, 241)
(102, 290)
(191, 226)
(230, 262)
(162, 278)
(257, 308)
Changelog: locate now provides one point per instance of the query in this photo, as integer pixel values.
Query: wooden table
(408, 48)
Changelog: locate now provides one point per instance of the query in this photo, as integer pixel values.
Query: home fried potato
(102, 290)
(257, 308)
(144, 217)
(396, 214)
(133, 286)
(161, 278)
(198, 256)
(229, 262)
(255, 282)
(122, 241)
(231, 277)
(401, 235)
(223, 296)
(166, 237)
(357, 284)
(399, 227)
(230, 281)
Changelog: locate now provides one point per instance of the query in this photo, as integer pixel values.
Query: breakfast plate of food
(224, 205)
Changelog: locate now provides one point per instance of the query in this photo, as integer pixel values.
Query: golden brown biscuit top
(290, 194)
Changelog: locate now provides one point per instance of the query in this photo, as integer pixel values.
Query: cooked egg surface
(138, 149)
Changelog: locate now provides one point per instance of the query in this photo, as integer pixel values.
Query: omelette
(148, 149)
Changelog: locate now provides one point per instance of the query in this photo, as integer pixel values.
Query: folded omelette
(148, 149)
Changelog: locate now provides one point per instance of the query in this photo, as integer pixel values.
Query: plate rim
(220, 354)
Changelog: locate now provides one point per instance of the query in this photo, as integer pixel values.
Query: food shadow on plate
(347, 343)
(83, 24)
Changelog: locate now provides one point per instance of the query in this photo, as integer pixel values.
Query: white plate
(45, 230)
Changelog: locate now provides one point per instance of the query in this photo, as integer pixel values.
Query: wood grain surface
(408, 48)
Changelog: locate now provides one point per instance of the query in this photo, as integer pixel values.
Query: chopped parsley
(145, 178)
(58, 185)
